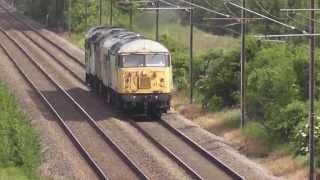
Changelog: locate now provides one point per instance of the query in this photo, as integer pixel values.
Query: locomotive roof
(118, 40)
(142, 46)
(96, 34)
(92, 31)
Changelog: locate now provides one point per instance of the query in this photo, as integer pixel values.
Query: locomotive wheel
(118, 102)
(100, 89)
(156, 114)
(108, 97)
(87, 80)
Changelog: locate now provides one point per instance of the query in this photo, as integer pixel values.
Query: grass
(13, 173)
(77, 39)
(256, 130)
(19, 150)
(169, 24)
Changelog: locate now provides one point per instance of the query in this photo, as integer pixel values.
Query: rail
(92, 122)
(201, 150)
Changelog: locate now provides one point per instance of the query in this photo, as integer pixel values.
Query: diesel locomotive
(129, 71)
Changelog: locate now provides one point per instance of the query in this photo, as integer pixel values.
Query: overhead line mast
(86, 12)
(111, 13)
(312, 75)
(157, 20)
(243, 64)
(100, 12)
(176, 7)
(312, 79)
(191, 54)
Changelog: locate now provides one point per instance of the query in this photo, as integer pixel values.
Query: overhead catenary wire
(168, 3)
(299, 9)
(266, 17)
(165, 8)
(259, 3)
(284, 35)
(246, 9)
(204, 8)
(294, 20)
(308, 18)
(220, 27)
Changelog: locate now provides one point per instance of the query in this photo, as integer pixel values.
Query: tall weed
(19, 142)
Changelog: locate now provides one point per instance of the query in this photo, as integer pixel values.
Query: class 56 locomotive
(128, 70)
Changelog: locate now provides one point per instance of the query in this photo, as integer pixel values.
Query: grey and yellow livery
(128, 70)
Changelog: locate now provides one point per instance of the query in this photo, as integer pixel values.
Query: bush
(289, 118)
(272, 83)
(180, 62)
(277, 89)
(256, 130)
(215, 104)
(300, 140)
(221, 79)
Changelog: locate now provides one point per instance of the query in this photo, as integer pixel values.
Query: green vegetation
(276, 89)
(170, 25)
(256, 130)
(13, 173)
(19, 150)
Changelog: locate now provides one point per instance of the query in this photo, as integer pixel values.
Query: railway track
(72, 65)
(35, 28)
(183, 148)
(115, 163)
(75, 76)
(201, 150)
(209, 166)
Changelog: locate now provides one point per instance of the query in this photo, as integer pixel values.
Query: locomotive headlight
(162, 82)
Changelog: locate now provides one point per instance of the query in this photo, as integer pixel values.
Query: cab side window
(119, 61)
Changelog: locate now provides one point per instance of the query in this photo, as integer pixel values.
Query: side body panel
(104, 68)
(87, 58)
(113, 73)
(92, 60)
(97, 60)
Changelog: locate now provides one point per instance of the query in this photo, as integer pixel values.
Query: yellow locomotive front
(128, 71)
(145, 80)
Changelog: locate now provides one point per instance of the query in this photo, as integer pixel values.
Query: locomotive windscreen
(144, 60)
